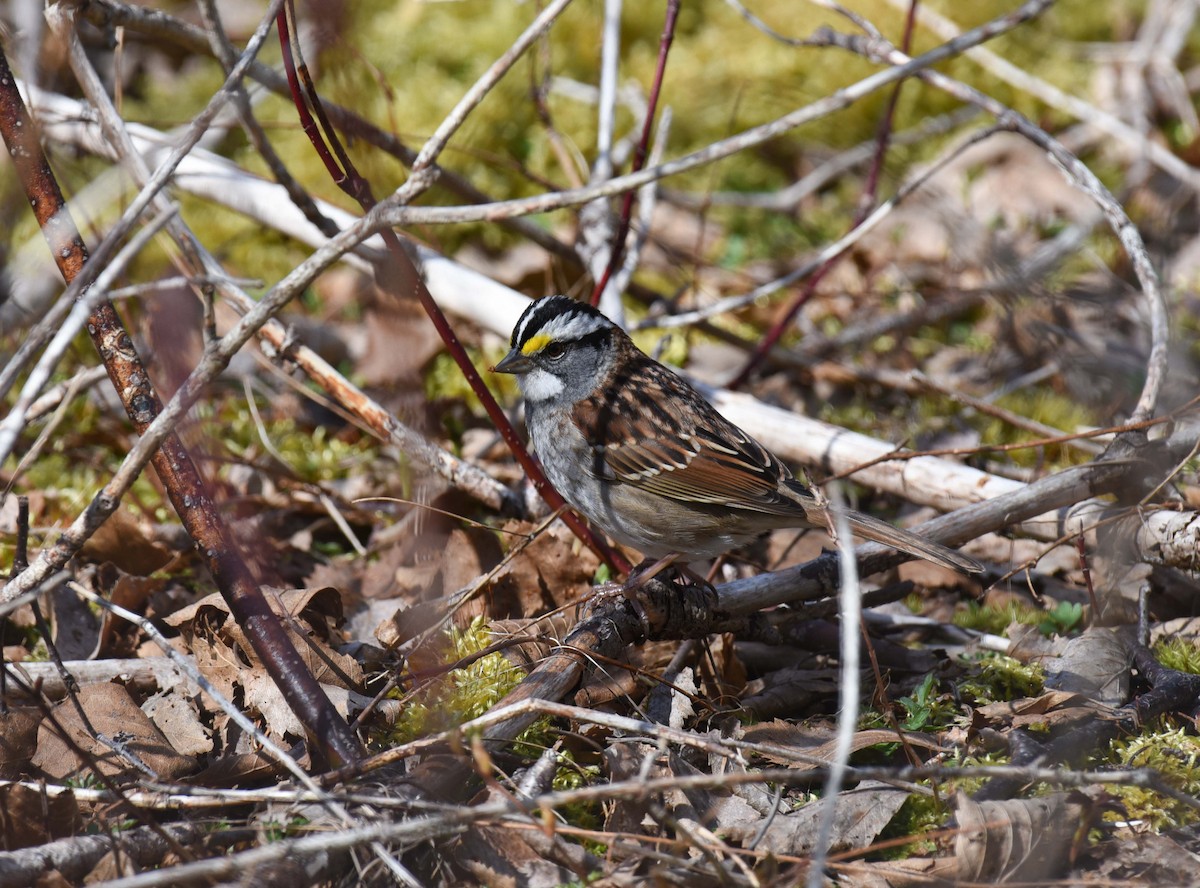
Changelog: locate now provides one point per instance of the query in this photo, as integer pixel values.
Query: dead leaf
(74, 624)
(1051, 709)
(817, 747)
(1017, 840)
(787, 692)
(179, 720)
(916, 872)
(113, 713)
(126, 540)
(859, 816)
(1094, 665)
(553, 571)
(671, 704)
(1150, 860)
(29, 817)
(502, 857)
(18, 739)
(118, 637)
(225, 656)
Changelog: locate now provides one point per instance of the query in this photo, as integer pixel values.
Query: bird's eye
(554, 350)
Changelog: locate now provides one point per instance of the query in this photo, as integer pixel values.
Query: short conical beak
(514, 362)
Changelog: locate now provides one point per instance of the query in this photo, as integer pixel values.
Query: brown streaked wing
(693, 454)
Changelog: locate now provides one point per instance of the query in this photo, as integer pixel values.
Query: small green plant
(583, 883)
(276, 831)
(1064, 619)
(926, 708)
(996, 618)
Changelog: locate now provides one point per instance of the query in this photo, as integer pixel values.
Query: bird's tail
(881, 532)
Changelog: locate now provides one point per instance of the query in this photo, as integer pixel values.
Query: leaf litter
(442, 617)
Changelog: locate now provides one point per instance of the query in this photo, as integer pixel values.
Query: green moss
(1044, 406)
(920, 814)
(924, 813)
(1065, 617)
(995, 619)
(313, 455)
(1182, 654)
(995, 677)
(69, 477)
(444, 380)
(461, 694)
(1175, 754)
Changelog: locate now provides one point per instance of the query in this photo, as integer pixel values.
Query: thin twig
(643, 148)
(850, 618)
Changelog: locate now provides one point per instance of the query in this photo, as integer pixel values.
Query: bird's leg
(632, 589)
(648, 570)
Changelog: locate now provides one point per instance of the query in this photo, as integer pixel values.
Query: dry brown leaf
(29, 817)
(400, 341)
(1095, 665)
(521, 264)
(1150, 860)
(118, 637)
(787, 692)
(1183, 627)
(916, 872)
(820, 746)
(226, 658)
(113, 713)
(860, 815)
(1051, 709)
(1017, 840)
(18, 739)
(502, 857)
(552, 571)
(407, 623)
(126, 540)
(468, 555)
(179, 719)
(625, 761)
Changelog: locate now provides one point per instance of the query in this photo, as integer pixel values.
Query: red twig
(870, 190)
(400, 268)
(181, 478)
(1081, 547)
(642, 150)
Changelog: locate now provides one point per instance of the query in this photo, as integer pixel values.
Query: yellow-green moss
(313, 455)
(994, 677)
(444, 380)
(462, 694)
(1175, 754)
(1182, 654)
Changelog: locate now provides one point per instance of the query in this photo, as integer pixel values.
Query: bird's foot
(654, 596)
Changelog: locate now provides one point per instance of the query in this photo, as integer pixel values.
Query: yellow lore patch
(535, 344)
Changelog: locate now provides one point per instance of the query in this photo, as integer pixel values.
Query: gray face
(560, 350)
(567, 371)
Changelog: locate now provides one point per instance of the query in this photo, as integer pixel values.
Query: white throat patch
(539, 385)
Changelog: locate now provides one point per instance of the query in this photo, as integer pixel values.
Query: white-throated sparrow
(644, 457)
